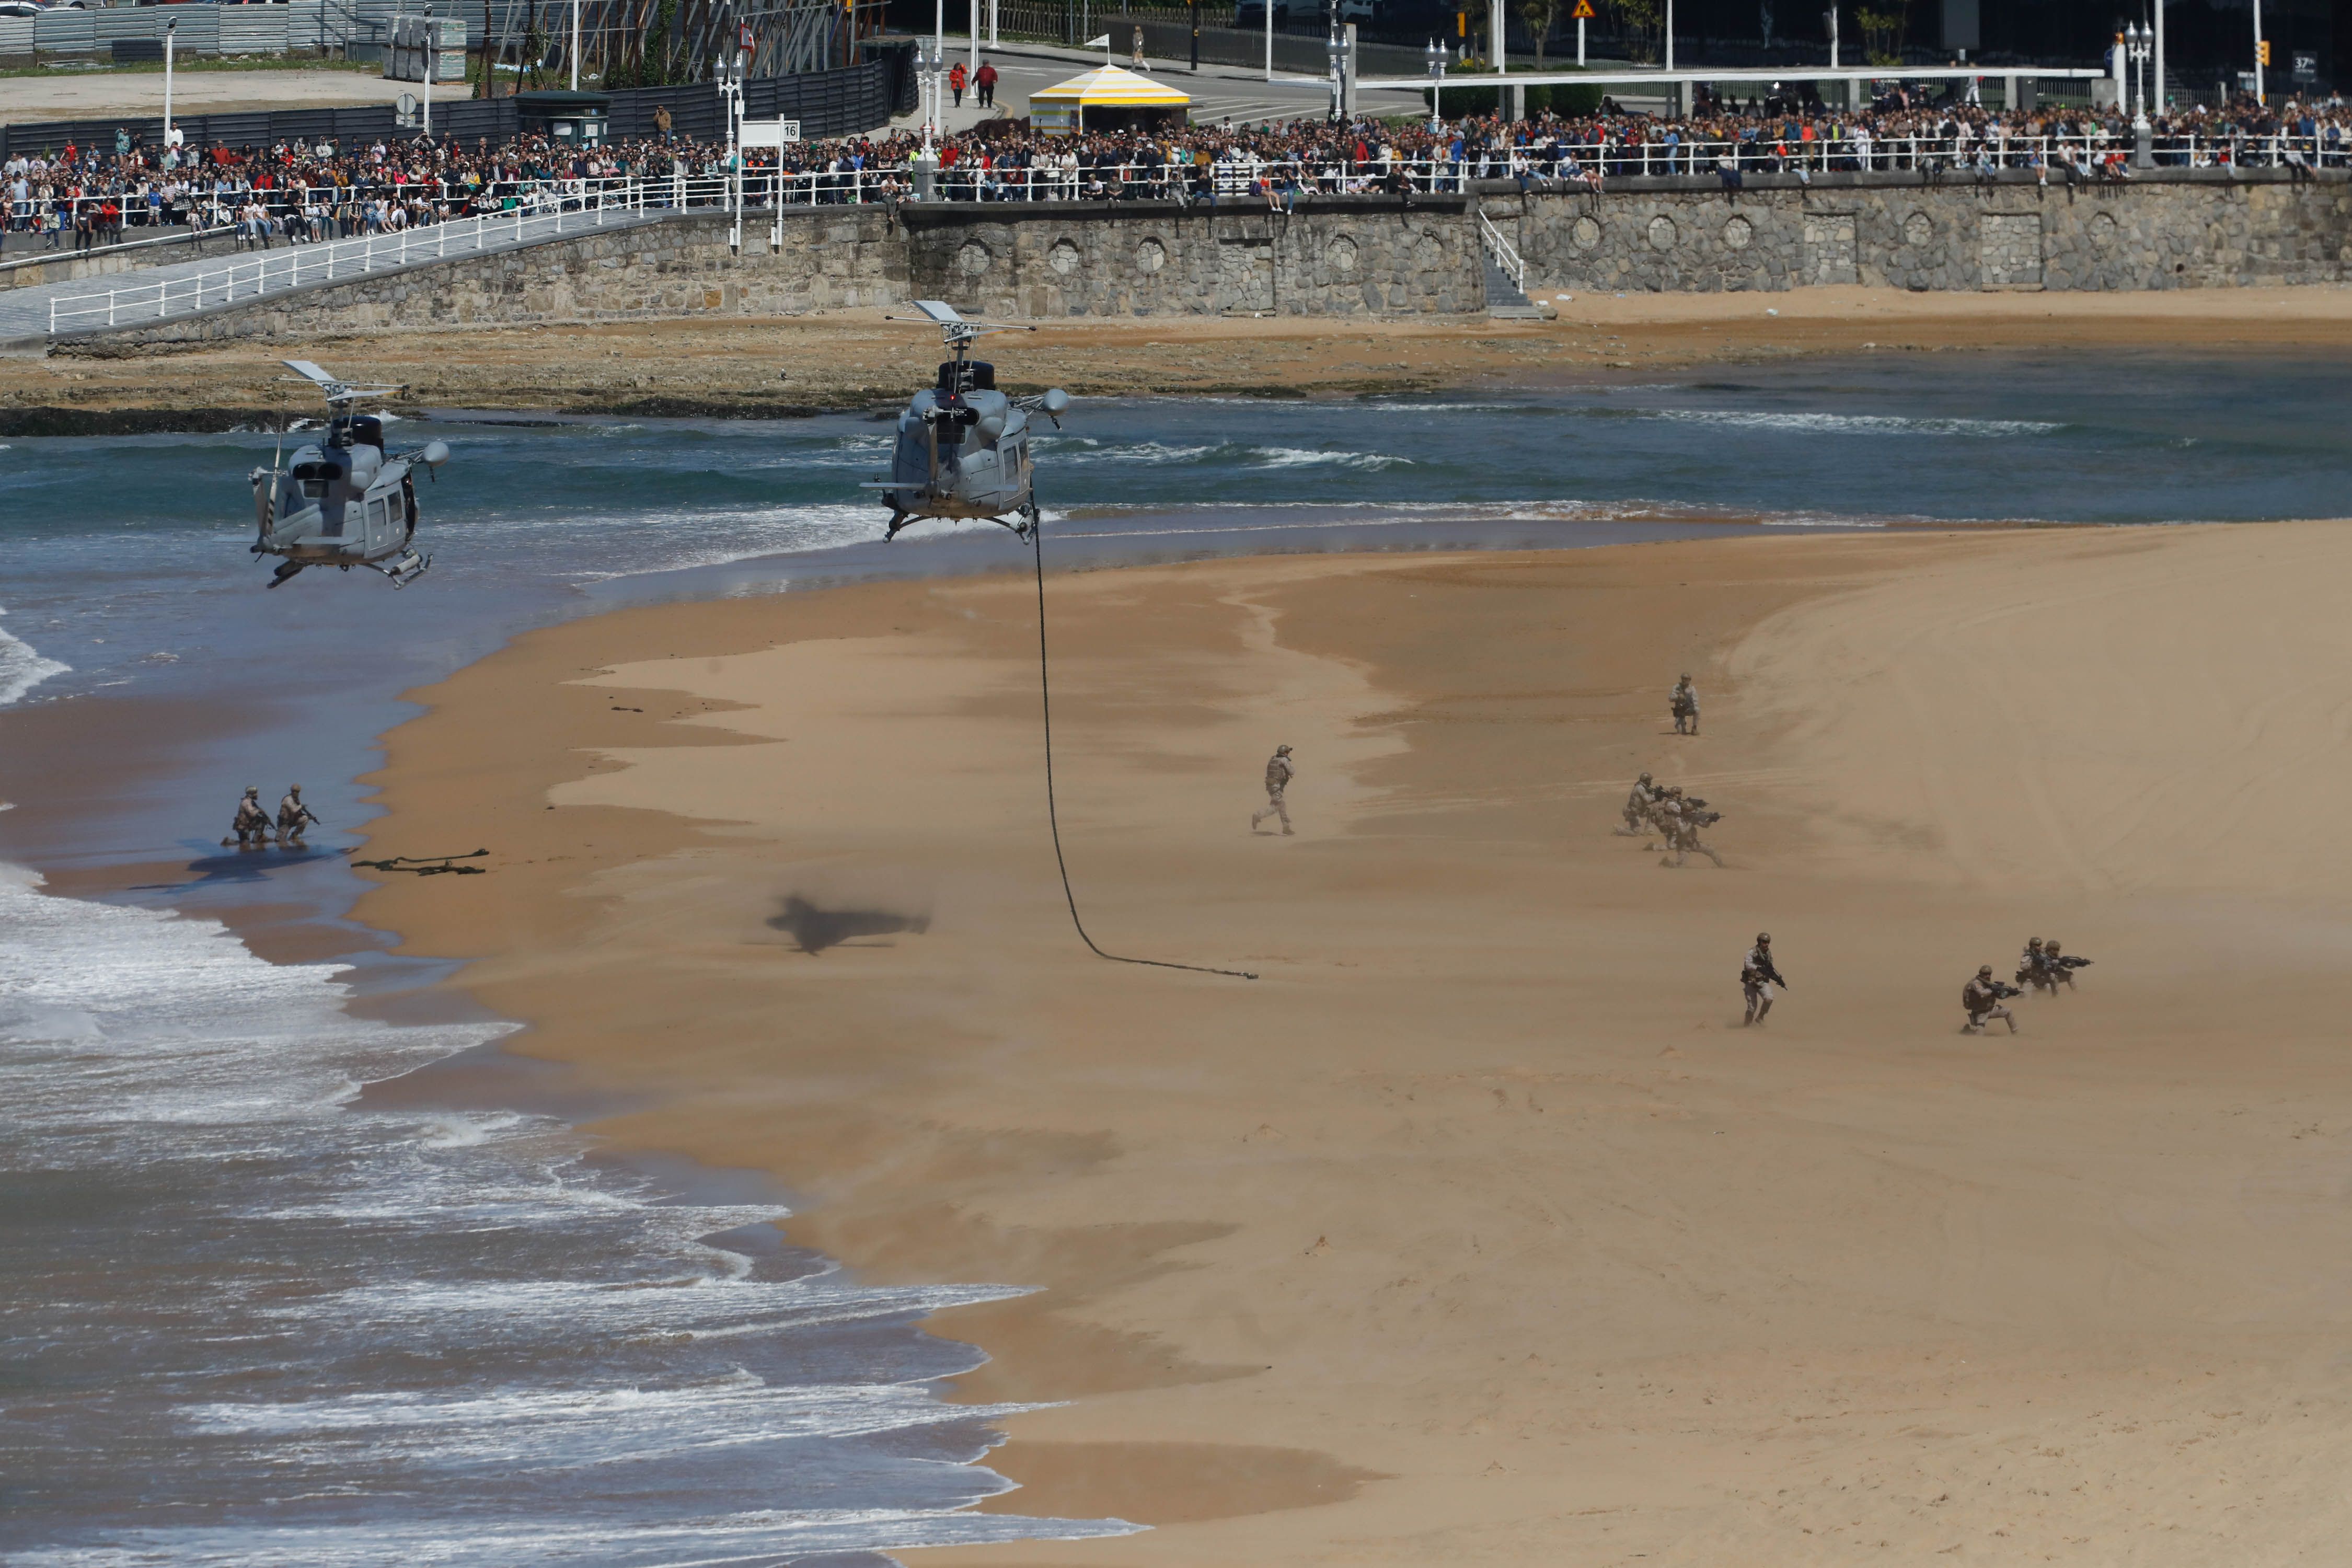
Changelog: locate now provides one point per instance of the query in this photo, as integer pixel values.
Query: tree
(1640, 21)
(1539, 16)
(1883, 32)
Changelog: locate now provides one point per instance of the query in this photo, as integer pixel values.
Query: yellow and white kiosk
(1109, 97)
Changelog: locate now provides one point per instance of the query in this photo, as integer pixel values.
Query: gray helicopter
(346, 502)
(963, 447)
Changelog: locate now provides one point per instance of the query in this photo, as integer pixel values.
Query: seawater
(251, 1314)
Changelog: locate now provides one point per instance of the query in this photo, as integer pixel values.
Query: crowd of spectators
(299, 193)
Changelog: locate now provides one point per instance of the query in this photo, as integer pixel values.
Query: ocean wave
(22, 669)
(479, 1314)
(1300, 457)
(766, 1535)
(1845, 424)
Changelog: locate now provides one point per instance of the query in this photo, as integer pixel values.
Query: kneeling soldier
(252, 824)
(1982, 997)
(1684, 706)
(293, 816)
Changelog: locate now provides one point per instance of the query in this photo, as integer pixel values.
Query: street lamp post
(1436, 57)
(431, 38)
(2139, 45)
(171, 29)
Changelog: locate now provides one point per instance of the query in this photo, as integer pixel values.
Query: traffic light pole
(2260, 49)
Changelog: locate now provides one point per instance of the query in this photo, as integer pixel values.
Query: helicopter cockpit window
(314, 479)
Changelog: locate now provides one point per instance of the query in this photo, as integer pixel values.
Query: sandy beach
(1477, 1229)
(737, 367)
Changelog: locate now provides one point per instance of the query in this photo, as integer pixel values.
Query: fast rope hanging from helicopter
(1052, 816)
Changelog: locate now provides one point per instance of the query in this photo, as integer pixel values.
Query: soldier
(1637, 807)
(1686, 707)
(2032, 969)
(1982, 997)
(1757, 978)
(2061, 966)
(1279, 772)
(293, 816)
(252, 824)
(1682, 831)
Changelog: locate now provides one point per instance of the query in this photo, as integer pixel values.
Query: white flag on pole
(1101, 43)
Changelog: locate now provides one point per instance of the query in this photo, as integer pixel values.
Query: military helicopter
(963, 447)
(346, 503)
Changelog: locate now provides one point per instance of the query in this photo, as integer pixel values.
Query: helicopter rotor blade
(939, 311)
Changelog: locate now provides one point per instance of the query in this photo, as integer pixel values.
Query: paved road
(24, 312)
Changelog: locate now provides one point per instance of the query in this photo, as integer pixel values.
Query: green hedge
(1567, 101)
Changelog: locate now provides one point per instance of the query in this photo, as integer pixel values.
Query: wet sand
(1478, 1229)
(854, 359)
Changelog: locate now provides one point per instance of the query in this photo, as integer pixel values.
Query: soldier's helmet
(1984, 968)
(1763, 939)
(1282, 751)
(1645, 778)
(2033, 941)
(253, 789)
(293, 789)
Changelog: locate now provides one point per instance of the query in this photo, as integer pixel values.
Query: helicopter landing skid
(405, 571)
(1021, 530)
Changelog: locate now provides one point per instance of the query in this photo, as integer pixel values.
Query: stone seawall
(831, 257)
(1352, 255)
(1361, 256)
(2168, 231)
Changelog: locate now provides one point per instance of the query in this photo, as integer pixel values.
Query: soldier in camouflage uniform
(1278, 774)
(1684, 706)
(1757, 978)
(1637, 807)
(1982, 997)
(293, 816)
(252, 824)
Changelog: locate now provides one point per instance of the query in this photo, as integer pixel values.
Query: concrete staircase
(1506, 300)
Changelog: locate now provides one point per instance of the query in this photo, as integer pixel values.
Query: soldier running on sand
(1684, 704)
(1757, 978)
(1279, 771)
(1982, 997)
(293, 816)
(252, 824)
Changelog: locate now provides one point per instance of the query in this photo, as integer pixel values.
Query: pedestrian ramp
(131, 302)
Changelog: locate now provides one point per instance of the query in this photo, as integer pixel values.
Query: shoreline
(619, 847)
(855, 361)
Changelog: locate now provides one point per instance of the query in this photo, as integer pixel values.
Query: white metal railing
(1505, 253)
(328, 261)
(1276, 183)
(1049, 179)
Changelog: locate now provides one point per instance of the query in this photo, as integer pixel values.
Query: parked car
(17, 9)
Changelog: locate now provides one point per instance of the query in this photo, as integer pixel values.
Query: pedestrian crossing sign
(1584, 12)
